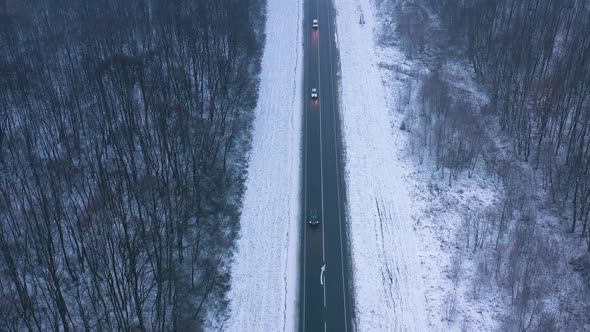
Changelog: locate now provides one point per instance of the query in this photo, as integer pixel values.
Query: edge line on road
(337, 166)
(305, 110)
(321, 159)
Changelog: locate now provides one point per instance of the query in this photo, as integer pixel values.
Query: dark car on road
(313, 217)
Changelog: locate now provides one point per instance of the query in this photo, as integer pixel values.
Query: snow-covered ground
(389, 293)
(411, 270)
(265, 273)
(404, 220)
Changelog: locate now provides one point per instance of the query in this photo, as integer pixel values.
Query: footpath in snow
(265, 267)
(389, 294)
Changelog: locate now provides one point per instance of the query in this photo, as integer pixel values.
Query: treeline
(124, 127)
(534, 57)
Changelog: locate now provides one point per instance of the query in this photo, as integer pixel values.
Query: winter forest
(123, 132)
(126, 128)
(533, 57)
(530, 132)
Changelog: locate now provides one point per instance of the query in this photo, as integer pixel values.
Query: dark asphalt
(323, 307)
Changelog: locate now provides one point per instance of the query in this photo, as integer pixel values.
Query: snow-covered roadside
(439, 278)
(389, 294)
(265, 267)
(464, 286)
(403, 260)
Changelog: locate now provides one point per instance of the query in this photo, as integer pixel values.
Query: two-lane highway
(325, 304)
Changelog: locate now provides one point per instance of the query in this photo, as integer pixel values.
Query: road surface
(325, 300)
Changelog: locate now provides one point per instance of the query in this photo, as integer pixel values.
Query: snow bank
(265, 268)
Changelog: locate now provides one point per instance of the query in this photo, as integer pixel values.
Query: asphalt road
(325, 303)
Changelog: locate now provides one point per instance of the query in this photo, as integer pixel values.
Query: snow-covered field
(389, 293)
(265, 271)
